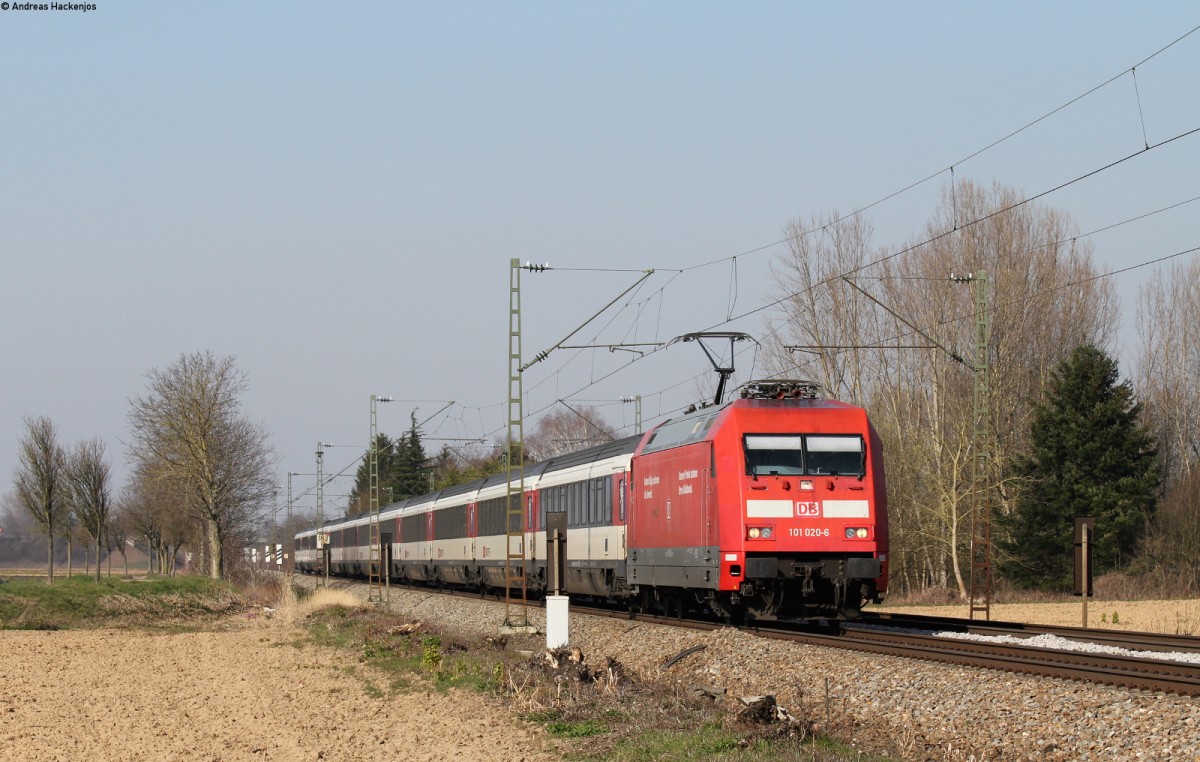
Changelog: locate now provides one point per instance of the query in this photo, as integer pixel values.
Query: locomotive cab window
(808, 455)
(835, 455)
(768, 454)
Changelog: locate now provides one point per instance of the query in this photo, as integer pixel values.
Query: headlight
(766, 533)
(861, 533)
(754, 532)
(849, 533)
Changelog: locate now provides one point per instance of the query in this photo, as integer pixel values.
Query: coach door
(708, 512)
(385, 553)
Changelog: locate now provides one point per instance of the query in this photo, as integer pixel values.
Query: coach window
(593, 502)
(601, 501)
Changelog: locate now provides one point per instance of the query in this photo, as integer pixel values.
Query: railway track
(904, 638)
(1133, 641)
(1108, 669)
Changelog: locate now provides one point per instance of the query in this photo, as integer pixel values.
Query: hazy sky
(333, 192)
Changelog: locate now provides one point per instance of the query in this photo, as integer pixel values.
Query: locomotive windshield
(805, 454)
(835, 455)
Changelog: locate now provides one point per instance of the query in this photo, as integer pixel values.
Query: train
(771, 505)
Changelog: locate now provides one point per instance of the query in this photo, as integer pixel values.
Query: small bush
(431, 652)
(580, 729)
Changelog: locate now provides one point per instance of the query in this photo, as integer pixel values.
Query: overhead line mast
(516, 516)
(379, 587)
(516, 609)
(981, 506)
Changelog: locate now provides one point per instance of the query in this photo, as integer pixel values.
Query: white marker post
(558, 630)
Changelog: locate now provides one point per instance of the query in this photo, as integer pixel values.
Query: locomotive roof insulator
(781, 389)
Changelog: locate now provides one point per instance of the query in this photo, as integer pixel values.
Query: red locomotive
(772, 504)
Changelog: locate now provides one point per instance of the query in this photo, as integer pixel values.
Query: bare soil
(243, 691)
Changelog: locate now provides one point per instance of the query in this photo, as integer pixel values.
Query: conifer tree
(360, 494)
(410, 476)
(1090, 456)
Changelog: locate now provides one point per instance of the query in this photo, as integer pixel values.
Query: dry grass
(290, 609)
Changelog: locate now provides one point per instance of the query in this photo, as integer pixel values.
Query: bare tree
(1168, 371)
(154, 507)
(819, 313)
(566, 429)
(1168, 551)
(189, 429)
(40, 481)
(87, 477)
(116, 535)
(1168, 382)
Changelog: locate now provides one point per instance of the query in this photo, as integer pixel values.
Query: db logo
(808, 509)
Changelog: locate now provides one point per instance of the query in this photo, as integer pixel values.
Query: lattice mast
(981, 507)
(637, 411)
(376, 590)
(516, 601)
(323, 572)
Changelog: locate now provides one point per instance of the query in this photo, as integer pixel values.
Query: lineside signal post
(1083, 561)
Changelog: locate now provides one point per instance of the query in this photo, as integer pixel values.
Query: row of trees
(201, 472)
(62, 488)
(1065, 436)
